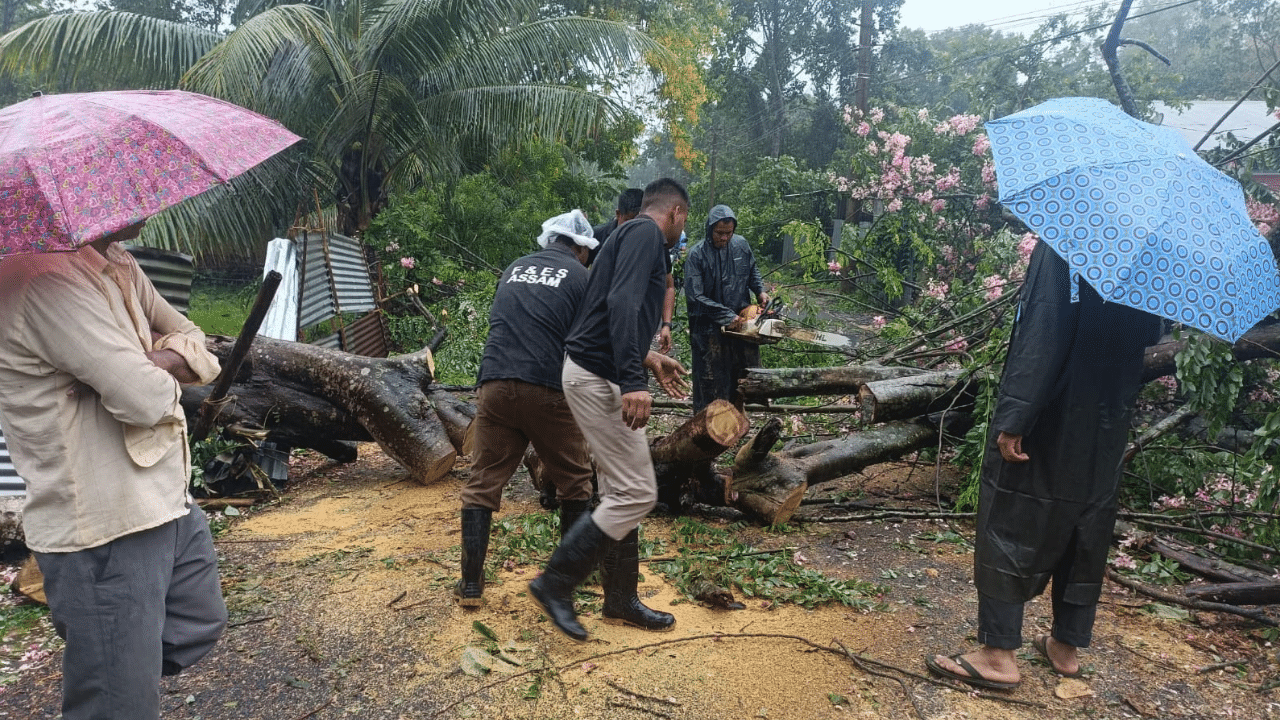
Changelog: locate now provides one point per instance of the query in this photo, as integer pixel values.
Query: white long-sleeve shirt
(104, 463)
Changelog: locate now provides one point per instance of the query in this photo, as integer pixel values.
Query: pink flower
(894, 205)
(981, 145)
(877, 115)
(407, 263)
(937, 290)
(958, 345)
(1026, 245)
(877, 322)
(863, 129)
(833, 267)
(994, 285)
(922, 114)
(437, 281)
(1124, 562)
(937, 206)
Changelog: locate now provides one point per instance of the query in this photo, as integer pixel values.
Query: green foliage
(1211, 378)
(488, 218)
(220, 309)
(202, 451)
(709, 554)
(525, 539)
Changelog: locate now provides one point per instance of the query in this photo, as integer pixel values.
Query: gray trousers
(628, 486)
(131, 610)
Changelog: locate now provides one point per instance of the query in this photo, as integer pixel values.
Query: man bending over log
(520, 399)
(605, 385)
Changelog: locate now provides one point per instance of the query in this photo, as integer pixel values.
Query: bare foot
(1064, 658)
(991, 663)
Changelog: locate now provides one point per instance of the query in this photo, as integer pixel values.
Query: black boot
(569, 565)
(621, 569)
(570, 511)
(475, 544)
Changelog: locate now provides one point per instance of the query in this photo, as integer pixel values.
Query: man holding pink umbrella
(92, 360)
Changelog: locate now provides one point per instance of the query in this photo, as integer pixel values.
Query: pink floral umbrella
(78, 167)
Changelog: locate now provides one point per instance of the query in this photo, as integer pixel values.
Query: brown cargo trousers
(510, 414)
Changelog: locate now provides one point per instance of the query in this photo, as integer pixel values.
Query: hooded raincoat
(1070, 383)
(718, 284)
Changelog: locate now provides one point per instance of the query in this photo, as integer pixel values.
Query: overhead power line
(1028, 46)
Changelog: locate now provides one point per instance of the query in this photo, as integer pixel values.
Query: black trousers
(1000, 622)
(719, 362)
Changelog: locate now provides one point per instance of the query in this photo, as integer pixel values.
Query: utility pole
(864, 55)
(863, 88)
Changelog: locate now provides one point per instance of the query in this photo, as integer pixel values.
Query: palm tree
(387, 93)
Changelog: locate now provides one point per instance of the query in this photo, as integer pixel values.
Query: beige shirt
(104, 463)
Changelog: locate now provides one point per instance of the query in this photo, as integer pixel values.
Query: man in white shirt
(91, 361)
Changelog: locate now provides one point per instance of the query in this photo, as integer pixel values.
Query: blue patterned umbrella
(1136, 213)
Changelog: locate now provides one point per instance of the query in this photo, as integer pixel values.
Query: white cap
(572, 224)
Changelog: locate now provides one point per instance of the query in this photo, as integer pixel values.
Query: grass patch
(221, 309)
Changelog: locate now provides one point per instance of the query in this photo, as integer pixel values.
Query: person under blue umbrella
(1051, 470)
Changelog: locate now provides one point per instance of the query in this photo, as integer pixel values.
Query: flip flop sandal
(1041, 644)
(974, 677)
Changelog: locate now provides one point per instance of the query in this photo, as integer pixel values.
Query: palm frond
(546, 51)
(239, 218)
(279, 63)
(104, 50)
(426, 32)
(504, 114)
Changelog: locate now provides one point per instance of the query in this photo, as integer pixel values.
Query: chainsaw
(765, 326)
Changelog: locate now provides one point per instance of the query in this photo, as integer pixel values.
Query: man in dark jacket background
(606, 385)
(1051, 471)
(520, 399)
(720, 276)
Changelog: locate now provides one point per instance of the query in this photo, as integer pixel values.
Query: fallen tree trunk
(761, 383)
(1237, 593)
(769, 486)
(300, 393)
(1261, 341)
(913, 396)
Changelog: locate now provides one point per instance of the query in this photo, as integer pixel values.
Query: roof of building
(1245, 122)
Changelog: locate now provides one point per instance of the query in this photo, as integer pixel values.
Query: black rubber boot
(569, 565)
(570, 511)
(621, 570)
(475, 545)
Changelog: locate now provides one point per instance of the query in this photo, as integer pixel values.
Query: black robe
(1070, 383)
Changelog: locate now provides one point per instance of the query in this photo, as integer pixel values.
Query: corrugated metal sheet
(336, 283)
(10, 483)
(335, 278)
(170, 272)
(366, 336)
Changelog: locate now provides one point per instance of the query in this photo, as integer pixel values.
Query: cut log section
(717, 428)
(682, 460)
(908, 397)
(763, 383)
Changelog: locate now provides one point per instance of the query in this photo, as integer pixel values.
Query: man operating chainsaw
(720, 277)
